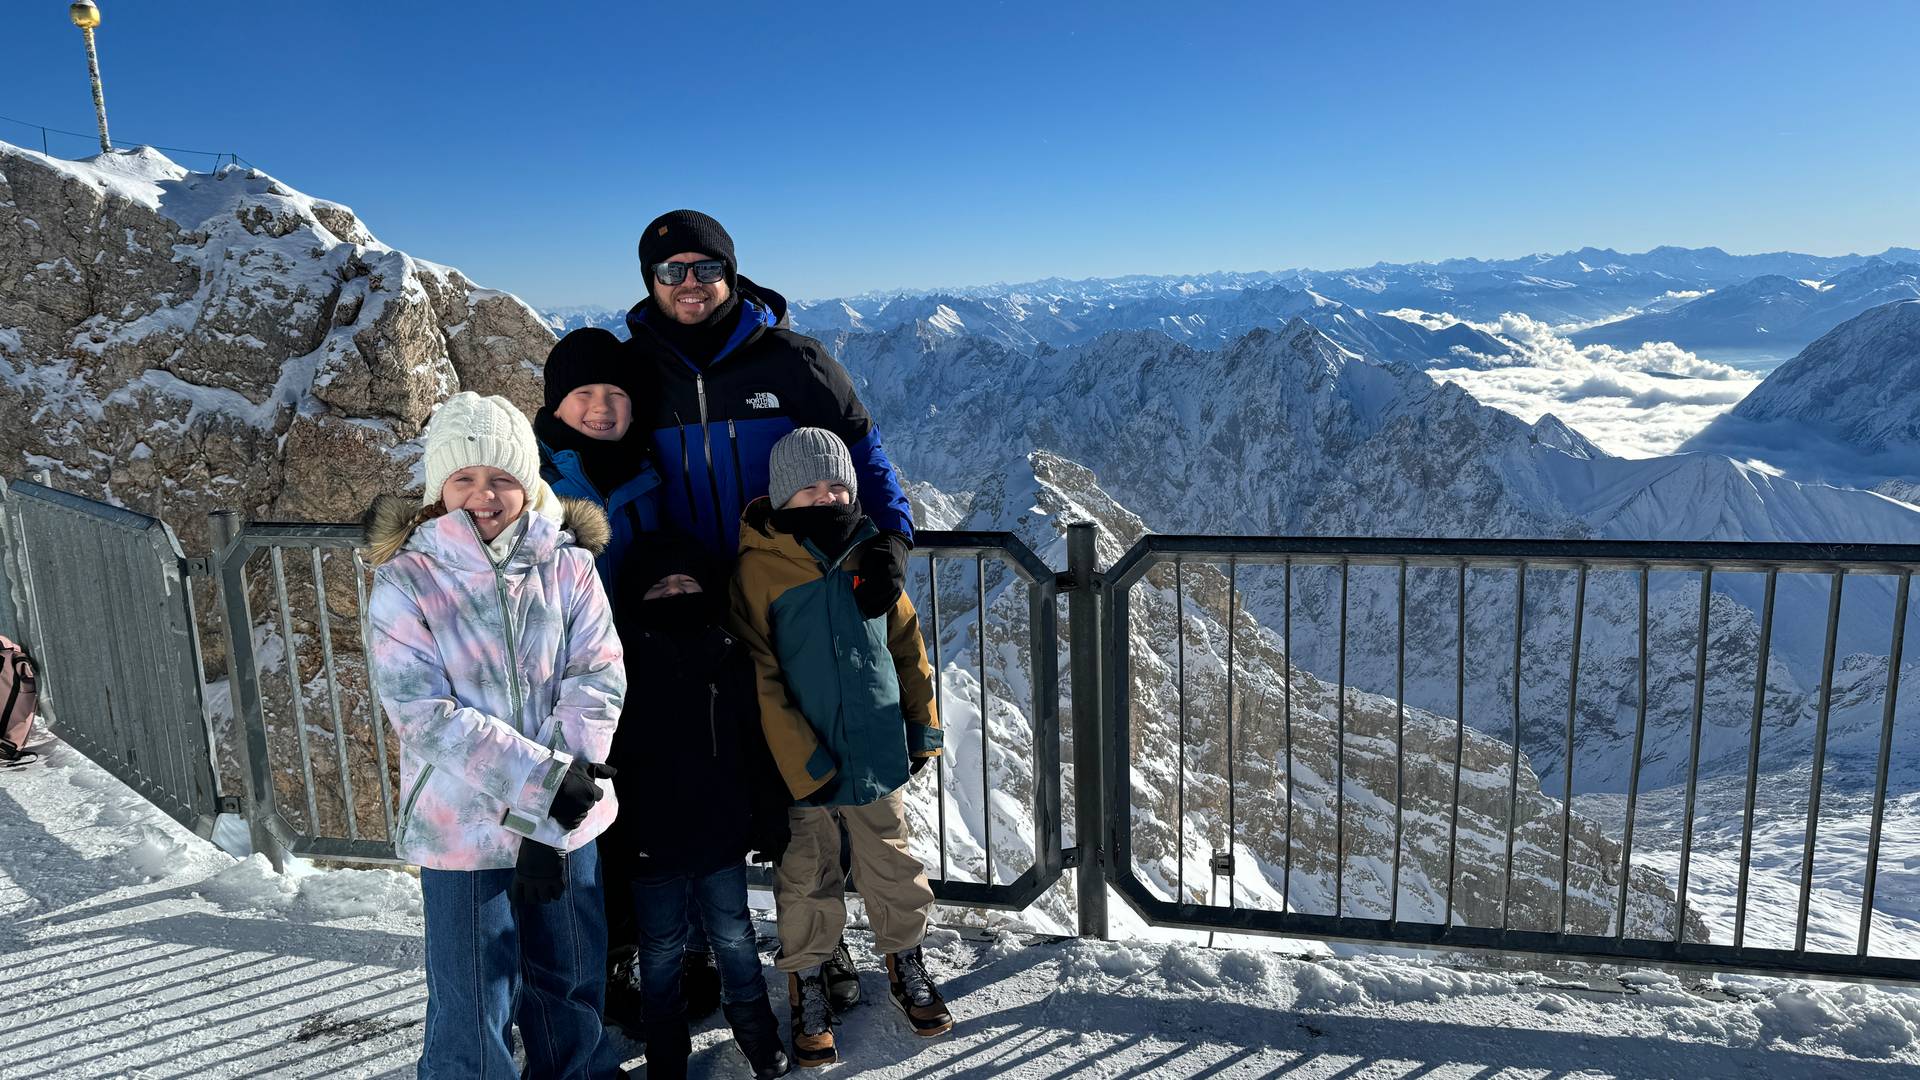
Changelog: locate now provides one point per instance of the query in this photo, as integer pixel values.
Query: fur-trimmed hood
(394, 522)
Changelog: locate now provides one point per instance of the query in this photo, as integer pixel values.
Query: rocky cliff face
(180, 342)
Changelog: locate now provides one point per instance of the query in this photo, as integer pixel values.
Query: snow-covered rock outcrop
(179, 342)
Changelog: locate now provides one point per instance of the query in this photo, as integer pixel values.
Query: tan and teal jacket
(846, 701)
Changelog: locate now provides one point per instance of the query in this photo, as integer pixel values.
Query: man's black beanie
(586, 356)
(680, 231)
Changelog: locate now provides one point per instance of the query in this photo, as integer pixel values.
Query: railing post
(243, 686)
(1089, 730)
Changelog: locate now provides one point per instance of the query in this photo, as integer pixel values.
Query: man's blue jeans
(491, 961)
(661, 906)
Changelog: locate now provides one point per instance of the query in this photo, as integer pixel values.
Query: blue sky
(861, 146)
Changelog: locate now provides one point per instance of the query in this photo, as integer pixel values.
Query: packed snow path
(133, 949)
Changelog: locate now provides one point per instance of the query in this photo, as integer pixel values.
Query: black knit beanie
(679, 231)
(586, 356)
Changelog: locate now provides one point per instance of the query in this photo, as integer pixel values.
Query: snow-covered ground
(134, 949)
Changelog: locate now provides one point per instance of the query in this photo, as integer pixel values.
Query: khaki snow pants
(809, 889)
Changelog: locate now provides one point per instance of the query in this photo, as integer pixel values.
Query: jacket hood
(770, 305)
(396, 523)
(758, 534)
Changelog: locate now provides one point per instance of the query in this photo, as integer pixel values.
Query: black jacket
(697, 787)
(719, 416)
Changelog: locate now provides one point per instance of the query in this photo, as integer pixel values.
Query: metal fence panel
(1155, 582)
(106, 613)
(285, 695)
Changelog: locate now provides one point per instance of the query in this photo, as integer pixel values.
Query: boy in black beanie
(593, 392)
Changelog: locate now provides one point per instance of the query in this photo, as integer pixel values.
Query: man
(733, 380)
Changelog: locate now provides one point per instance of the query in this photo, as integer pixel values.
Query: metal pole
(1753, 760)
(223, 530)
(1633, 776)
(99, 96)
(1886, 753)
(1180, 690)
(1693, 755)
(939, 709)
(1089, 797)
(1819, 761)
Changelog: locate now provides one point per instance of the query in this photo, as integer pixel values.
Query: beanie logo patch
(662, 231)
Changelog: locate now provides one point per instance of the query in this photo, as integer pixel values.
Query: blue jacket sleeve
(881, 494)
(830, 402)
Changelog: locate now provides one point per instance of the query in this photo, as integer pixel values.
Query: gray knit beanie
(805, 456)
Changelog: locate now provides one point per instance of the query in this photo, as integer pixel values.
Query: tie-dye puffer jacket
(494, 679)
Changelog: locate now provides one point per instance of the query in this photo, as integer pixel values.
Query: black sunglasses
(706, 271)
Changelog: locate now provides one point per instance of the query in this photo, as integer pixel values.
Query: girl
(495, 656)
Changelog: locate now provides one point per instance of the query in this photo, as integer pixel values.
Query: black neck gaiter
(678, 614)
(828, 528)
(701, 342)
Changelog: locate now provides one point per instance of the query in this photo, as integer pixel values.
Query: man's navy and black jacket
(718, 418)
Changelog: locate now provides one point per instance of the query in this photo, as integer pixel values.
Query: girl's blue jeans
(491, 962)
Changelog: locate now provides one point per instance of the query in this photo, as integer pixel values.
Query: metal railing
(262, 746)
(104, 604)
(301, 808)
(1424, 796)
(1525, 812)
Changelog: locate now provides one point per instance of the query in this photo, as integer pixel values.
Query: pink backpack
(19, 693)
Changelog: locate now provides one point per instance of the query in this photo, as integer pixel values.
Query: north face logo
(763, 400)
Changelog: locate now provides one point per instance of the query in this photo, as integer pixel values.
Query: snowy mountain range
(1577, 286)
(561, 320)
(1771, 313)
(1846, 408)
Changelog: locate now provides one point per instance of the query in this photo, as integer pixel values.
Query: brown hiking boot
(915, 994)
(812, 1020)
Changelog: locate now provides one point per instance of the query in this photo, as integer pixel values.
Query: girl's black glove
(883, 574)
(578, 792)
(540, 876)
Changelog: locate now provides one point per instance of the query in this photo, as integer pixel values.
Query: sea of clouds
(1636, 403)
